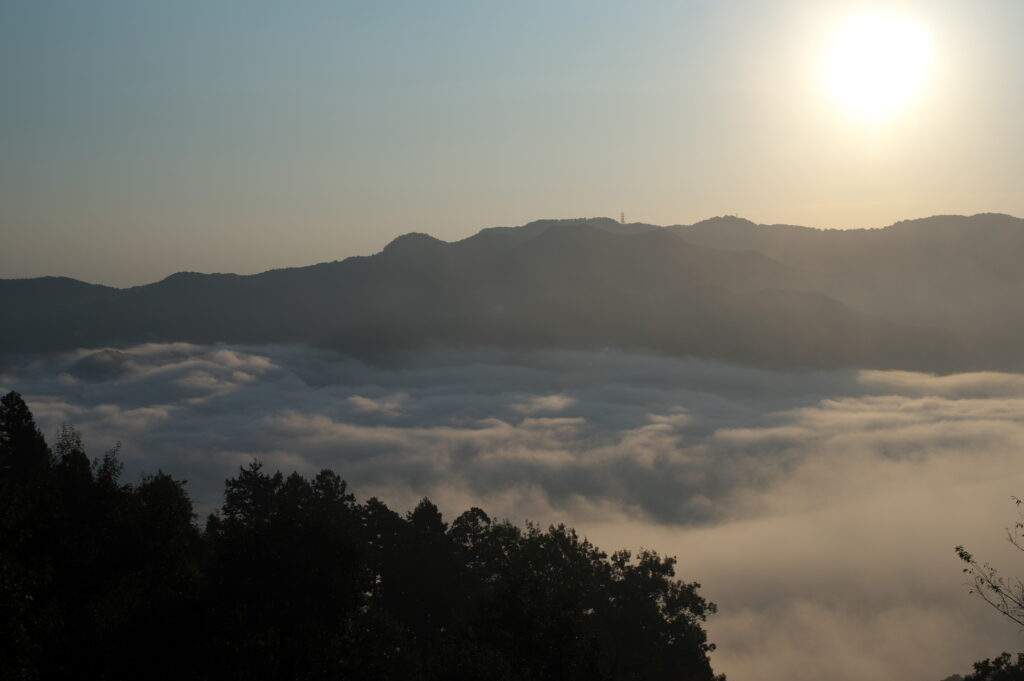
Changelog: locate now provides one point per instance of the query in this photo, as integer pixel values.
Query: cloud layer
(819, 509)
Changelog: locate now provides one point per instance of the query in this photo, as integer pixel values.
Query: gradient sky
(142, 138)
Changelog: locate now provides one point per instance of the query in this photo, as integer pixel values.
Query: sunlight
(876, 64)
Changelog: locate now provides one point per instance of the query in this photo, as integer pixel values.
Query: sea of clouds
(818, 509)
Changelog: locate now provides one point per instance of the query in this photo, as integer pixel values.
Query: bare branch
(1006, 596)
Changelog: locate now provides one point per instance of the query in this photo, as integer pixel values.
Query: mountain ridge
(939, 294)
(535, 227)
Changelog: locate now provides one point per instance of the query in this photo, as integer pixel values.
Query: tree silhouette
(24, 455)
(292, 578)
(1006, 595)
(25, 461)
(1001, 668)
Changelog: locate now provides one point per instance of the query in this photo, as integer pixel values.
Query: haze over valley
(775, 401)
(674, 340)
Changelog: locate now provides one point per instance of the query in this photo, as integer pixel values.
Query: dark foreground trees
(293, 579)
(1002, 668)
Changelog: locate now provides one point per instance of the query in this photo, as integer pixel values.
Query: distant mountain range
(944, 293)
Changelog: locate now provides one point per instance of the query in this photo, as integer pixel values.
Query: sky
(818, 509)
(142, 138)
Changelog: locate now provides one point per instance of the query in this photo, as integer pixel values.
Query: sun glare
(876, 64)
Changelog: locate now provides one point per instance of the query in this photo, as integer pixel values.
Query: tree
(23, 451)
(293, 579)
(285, 573)
(998, 669)
(1003, 594)
(25, 461)
(1006, 596)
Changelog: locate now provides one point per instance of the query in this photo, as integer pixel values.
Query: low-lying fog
(818, 509)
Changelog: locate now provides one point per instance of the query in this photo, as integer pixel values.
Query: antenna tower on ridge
(622, 217)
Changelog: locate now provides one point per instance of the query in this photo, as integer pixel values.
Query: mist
(819, 509)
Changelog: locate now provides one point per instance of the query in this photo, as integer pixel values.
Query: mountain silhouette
(937, 294)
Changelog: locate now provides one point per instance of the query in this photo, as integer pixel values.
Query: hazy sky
(141, 138)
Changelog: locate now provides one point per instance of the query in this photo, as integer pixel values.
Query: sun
(877, 63)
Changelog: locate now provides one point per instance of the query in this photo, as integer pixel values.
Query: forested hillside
(294, 579)
(940, 294)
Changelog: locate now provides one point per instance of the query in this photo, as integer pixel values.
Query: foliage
(293, 579)
(1005, 595)
(1001, 668)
